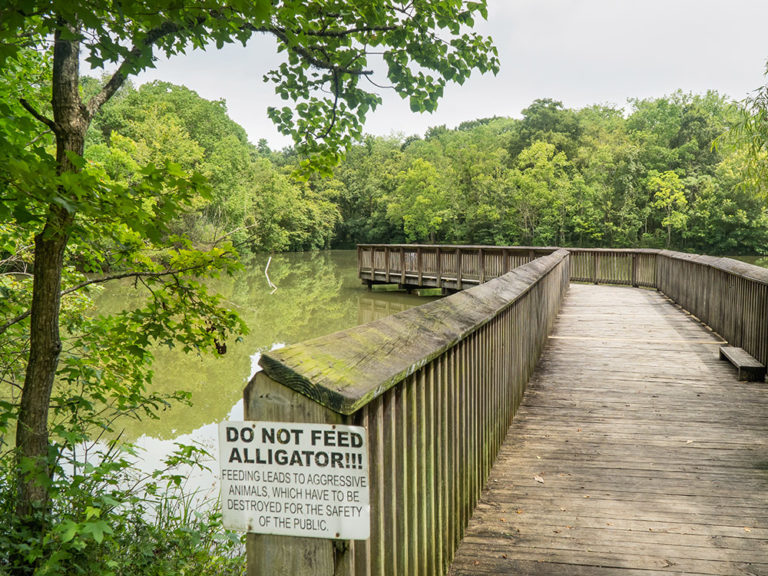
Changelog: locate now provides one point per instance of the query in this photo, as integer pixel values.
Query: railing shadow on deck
(437, 386)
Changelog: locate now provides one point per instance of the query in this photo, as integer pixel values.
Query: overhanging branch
(137, 51)
(44, 119)
(307, 55)
(102, 280)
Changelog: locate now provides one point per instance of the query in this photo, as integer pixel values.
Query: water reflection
(317, 293)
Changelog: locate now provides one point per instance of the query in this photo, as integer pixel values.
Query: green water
(316, 293)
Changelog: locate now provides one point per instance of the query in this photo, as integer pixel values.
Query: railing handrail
(722, 263)
(346, 370)
(549, 249)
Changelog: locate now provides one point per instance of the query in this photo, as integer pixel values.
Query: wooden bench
(749, 368)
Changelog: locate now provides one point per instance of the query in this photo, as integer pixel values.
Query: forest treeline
(663, 173)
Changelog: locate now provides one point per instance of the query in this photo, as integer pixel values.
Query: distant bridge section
(458, 267)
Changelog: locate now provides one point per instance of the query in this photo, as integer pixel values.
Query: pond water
(312, 294)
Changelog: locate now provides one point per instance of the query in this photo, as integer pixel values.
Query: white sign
(295, 479)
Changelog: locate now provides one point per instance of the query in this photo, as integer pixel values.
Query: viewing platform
(563, 411)
(635, 451)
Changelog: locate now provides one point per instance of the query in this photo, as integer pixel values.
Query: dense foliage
(253, 204)
(668, 172)
(599, 176)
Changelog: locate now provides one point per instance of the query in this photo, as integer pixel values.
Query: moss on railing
(346, 370)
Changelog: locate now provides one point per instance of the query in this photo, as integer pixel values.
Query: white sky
(580, 52)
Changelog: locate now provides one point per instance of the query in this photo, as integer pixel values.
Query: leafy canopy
(331, 47)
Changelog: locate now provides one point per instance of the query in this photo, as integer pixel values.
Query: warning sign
(295, 479)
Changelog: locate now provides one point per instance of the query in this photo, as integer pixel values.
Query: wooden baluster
(439, 264)
(402, 266)
(459, 269)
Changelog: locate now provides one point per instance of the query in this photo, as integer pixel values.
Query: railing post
(481, 257)
(595, 267)
(267, 400)
(419, 264)
(402, 265)
(386, 262)
(634, 270)
(458, 268)
(439, 265)
(359, 261)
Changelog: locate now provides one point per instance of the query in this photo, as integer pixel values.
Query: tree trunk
(44, 349)
(71, 121)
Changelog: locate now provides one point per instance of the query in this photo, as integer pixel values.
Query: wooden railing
(614, 266)
(458, 267)
(436, 388)
(450, 267)
(729, 296)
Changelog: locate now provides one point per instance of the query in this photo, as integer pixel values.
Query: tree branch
(311, 58)
(336, 91)
(15, 320)
(122, 72)
(45, 120)
(76, 287)
(168, 28)
(348, 31)
(233, 232)
(135, 275)
(381, 86)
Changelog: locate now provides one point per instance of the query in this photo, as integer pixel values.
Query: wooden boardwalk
(635, 452)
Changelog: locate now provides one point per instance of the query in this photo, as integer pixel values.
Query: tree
(751, 133)
(63, 201)
(546, 120)
(542, 193)
(669, 196)
(419, 202)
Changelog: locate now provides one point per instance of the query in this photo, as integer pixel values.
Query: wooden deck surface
(636, 451)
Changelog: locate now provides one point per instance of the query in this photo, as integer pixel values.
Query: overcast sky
(580, 52)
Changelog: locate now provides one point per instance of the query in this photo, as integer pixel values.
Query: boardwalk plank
(635, 451)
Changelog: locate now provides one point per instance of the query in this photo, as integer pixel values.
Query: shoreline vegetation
(667, 172)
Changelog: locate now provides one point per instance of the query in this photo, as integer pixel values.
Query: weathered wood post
(595, 267)
(386, 263)
(420, 264)
(402, 266)
(439, 267)
(634, 270)
(459, 270)
(268, 555)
